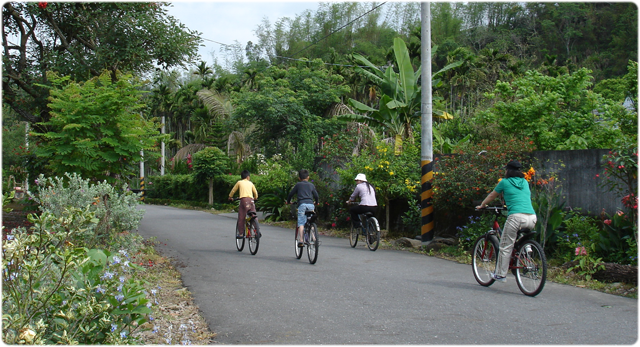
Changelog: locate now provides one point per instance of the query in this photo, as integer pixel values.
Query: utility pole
(426, 150)
(142, 174)
(162, 150)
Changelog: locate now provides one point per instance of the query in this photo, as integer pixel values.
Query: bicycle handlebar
(492, 208)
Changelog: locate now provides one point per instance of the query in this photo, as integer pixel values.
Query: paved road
(355, 296)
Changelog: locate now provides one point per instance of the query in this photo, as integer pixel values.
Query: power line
(326, 36)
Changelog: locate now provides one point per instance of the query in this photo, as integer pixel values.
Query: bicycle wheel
(531, 268)
(353, 236)
(373, 233)
(314, 243)
(239, 244)
(298, 249)
(254, 241)
(485, 258)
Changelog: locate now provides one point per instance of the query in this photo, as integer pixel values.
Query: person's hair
(303, 174)
(369, 187)
(244, 174)
(513, 173)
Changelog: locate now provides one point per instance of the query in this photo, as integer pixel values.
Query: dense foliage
(80, 40)
(96, 129)
(70, 278)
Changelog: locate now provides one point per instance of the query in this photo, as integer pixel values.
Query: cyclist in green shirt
(517, 196)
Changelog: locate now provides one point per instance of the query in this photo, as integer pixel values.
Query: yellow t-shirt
(246, 189)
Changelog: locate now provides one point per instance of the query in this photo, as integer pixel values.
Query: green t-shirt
(517, 195)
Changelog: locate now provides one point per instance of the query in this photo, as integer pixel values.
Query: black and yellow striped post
(142, 188)
(426, 150)
(426, 203)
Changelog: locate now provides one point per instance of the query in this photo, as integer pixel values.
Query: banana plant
(401, 96)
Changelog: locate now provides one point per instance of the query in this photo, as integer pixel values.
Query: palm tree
(203, 70)
(400, 99)
(219, 105)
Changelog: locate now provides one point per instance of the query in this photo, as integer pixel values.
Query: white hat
(361, 177)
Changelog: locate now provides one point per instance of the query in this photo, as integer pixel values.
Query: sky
(227, 22)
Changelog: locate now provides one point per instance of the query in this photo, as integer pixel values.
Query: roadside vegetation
(82, 108)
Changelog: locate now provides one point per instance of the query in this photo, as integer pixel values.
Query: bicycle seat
(368, 214)
(311, 216)
(251, 214)
(526, 232)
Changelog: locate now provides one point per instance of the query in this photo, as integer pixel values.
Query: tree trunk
(617, 273)
(210, 191)
(387, 212)
(398, 145)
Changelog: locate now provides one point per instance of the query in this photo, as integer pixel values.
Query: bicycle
(310, 235)
(370, 230)
(528, 262)
(251, 233)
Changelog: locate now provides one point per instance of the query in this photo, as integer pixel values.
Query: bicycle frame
(247, 222)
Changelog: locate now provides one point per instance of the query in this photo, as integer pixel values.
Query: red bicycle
(251, 232)
(528, 262)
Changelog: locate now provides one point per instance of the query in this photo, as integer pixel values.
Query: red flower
(42, 5)
(607, 221)
(333, 225)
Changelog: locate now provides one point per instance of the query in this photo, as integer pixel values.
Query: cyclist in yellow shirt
(247, 193)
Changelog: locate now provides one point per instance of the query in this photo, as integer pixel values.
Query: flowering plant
(57, 292)
(621, 176)
(115, 209)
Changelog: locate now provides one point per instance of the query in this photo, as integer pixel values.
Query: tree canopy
(80, 40)
(96, 127)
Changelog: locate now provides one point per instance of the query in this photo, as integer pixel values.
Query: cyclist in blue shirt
(517, 196)
(307, 194)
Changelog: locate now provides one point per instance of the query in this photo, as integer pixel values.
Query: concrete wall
(577, 170)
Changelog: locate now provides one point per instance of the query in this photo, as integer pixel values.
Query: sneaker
(498, 278)
(300, 244)
(239, 236)
(258, 235)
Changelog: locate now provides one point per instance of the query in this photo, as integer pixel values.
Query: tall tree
(96, 128)
(80, 39)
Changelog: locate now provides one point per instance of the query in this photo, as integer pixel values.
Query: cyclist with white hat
(367, 194)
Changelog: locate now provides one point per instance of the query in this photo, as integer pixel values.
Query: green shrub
(56, 291)
(115, 209)
(578, 231)
(476, 226)
(176, 187)
(461, 180)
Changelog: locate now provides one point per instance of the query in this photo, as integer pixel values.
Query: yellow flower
(391, 173)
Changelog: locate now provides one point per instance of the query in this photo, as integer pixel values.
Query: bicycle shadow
(473, 286)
